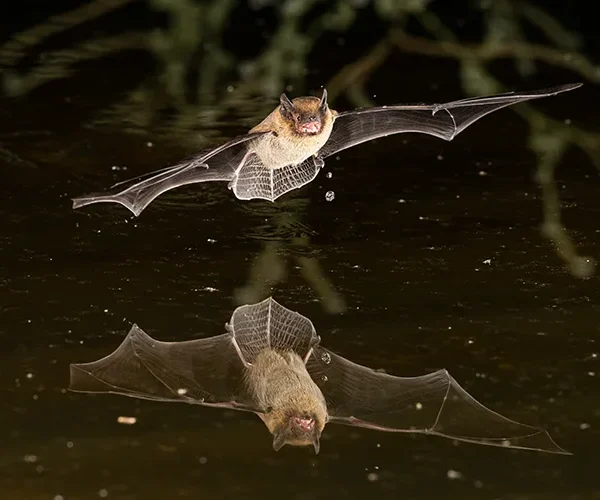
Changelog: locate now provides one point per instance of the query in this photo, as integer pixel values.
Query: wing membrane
(219, 164)
(269, 325)
(440, 120)
(254, 180)
(205, 371)
(430, 404)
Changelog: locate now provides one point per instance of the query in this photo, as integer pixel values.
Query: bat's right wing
(430, 404)
(219, 164)
(204, 372)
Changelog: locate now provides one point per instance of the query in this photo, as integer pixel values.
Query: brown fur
(286, 146)
(280, 383)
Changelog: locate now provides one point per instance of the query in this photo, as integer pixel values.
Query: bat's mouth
(312, 127)
(306, 424)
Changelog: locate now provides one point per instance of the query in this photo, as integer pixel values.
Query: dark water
(419, 263)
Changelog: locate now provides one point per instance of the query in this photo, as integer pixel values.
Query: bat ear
(316, 444)
(286, 103)
(278, 440)
(323, 103)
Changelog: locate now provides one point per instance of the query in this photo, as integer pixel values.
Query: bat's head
(298, 430)
(305, 115)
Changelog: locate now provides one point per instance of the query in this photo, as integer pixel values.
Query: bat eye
(298, 118)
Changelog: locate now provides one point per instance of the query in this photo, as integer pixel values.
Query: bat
(270, 362)
(288, 148)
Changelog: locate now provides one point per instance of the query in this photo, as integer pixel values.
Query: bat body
(271, 362)
(296, 408)
(288, 148)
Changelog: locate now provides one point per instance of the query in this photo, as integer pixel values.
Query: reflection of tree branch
(57, 64)
(550, 148)
(287, 235)
(478, 80)
(551, 28)
(359, 69)
(483, 53)
(549, 152)
(12, 50)
(14, 159)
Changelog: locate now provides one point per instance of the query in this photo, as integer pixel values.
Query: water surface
(429, 257)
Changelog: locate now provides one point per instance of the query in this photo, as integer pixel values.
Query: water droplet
(324, 378)
(454, 474)
(126, 420)
(326, 358)
(329, 195)
(329, 175)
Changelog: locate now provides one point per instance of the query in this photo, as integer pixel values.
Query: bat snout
(306, 424)
(310, 126)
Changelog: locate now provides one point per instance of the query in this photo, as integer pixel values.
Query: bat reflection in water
(270, 362)
(288, 148)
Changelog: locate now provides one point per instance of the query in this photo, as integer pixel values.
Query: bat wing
(204, 372)
(220, 164)
(269, 325)
(445, 121)
(430, 404)
(254, 180)
(209, 371)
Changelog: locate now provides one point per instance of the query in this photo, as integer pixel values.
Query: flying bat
(270, 362)
(288, 148)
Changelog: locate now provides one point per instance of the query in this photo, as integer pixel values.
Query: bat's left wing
(430, 404)
(440, 120)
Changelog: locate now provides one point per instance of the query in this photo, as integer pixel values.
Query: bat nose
(311, 126)
(305, 423)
